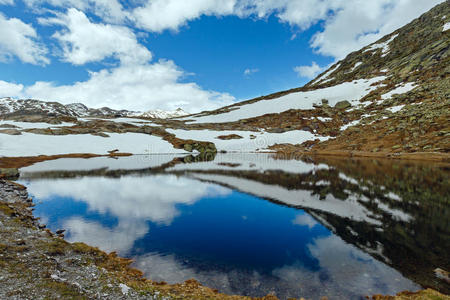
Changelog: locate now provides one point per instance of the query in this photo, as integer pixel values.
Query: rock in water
(9, 173)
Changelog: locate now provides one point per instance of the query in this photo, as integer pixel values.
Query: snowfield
(350, 91)
(29, 144)
(37, 125)
(402, 89)
(259, 142)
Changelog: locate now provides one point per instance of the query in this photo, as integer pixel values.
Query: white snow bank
(133, 121)
(402, 89)
(29, 144)
(355, 66)
(246, 144)
(446, 26)
(395, 109)
(327, 74)
(353, 123)
(351, 91)
(30, 125)
(384, 46)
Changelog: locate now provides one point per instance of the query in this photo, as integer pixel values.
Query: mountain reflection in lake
(251, 224)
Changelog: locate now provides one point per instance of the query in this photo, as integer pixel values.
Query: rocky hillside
(12, 108)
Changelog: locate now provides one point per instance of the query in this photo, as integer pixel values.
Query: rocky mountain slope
(11, 108)
(389, 98)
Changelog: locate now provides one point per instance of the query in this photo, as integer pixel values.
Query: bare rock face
(10, 131)
(343, 104)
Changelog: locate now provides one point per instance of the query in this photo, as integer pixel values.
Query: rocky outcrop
(9, 173)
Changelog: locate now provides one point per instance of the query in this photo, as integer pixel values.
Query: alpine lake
(257, 224)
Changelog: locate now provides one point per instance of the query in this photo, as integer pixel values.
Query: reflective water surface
(255, 224)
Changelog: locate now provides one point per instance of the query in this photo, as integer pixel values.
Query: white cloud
(135, 84)
(7, 2)
(302, 13)
(309, 71)
(357, 24)
(159, 15)
(83, 41)
(109, 10)
(20, 40)
(135, 87)
(248, 72)
(348, 24)
(10, 89)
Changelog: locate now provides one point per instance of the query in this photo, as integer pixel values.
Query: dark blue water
(177, 227)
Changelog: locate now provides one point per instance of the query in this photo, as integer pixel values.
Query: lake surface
(253, 224)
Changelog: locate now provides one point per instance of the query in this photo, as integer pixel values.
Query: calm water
(254, 225)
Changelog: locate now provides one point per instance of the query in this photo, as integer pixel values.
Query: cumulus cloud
(10, 89)
(136, 87)
(20, 40)
(135, 84)
(7, 2)
(309, 72)
(83, 41)
(159, 15)
(347, 24)
(109, 10)
(357, 24)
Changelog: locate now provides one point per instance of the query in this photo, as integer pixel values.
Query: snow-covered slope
(10, 106)
(162, 114)
(350, 91)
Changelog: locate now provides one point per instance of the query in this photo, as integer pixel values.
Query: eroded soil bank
(38, 264)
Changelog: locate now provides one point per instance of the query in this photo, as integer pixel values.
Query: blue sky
(148, 54)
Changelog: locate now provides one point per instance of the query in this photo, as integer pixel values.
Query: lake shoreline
(281, 152)
(79, 270)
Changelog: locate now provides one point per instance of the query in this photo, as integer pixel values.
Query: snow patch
(446, 26)
(327, 74)
(384, 46)
(251, 141)
(322, 119)
(353, 123)
(29, 144)
(161, 114)
(355, 66)
(125, 289)
(395, 109)
(350, 91)
(402, 89)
